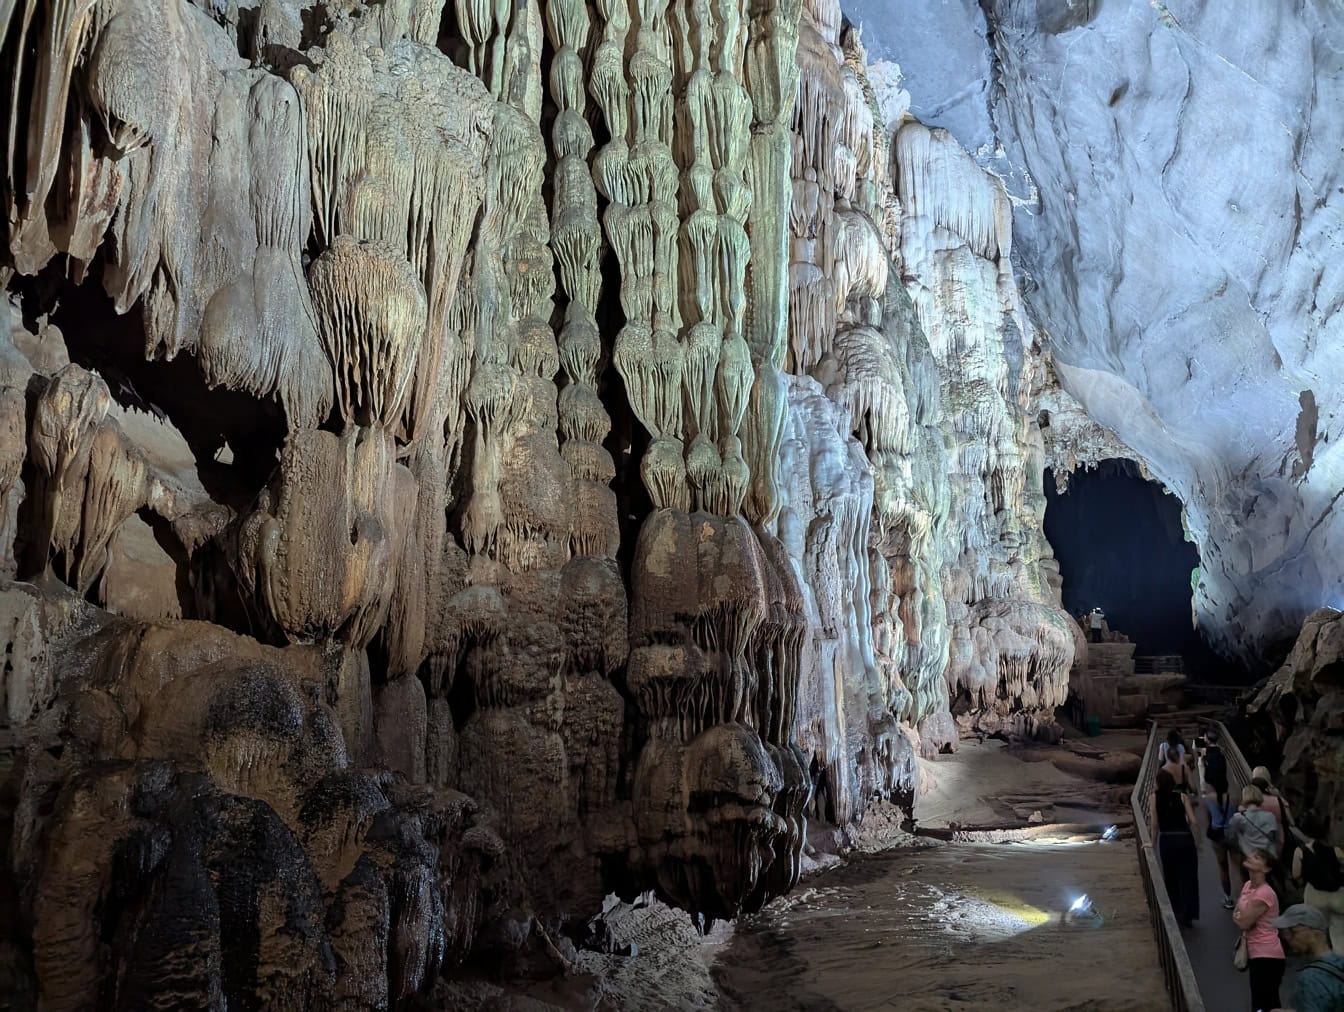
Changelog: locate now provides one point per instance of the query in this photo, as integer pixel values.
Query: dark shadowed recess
(1120, 546)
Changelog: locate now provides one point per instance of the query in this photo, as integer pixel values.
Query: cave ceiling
(1178, 197)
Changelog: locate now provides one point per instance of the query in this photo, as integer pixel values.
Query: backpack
(1320, 867)
(1215, 769)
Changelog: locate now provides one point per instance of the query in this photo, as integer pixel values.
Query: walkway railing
(1159, 664)
(1176, 968)
(1198, 692)
(1238, 769)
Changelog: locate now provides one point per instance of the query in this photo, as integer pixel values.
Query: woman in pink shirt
(1254, 914)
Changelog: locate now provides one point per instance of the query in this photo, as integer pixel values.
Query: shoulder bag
(1240, 958)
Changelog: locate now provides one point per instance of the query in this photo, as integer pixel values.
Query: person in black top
(1172, 817)
(1172, 754)
(1218, 806)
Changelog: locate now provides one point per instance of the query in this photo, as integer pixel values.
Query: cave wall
(1178, 202)
(1303, 704)
(460, 461)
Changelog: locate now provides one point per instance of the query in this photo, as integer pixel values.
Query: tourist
(1095, 619)
(1215, 762)
(1319, 986)
(1172, 744)
(1218, 807)
(1252, 828)
(1172, 754)
(1170, 813)
(1321, 867)
(1273, 804)
(1254, 914)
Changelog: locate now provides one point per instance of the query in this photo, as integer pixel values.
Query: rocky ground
(910, 922)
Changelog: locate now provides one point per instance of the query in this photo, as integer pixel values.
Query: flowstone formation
(1011, 647)
(462, 461)
(1073, 440)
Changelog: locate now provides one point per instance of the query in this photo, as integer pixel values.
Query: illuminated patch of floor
(1015, 906)
(989, 913)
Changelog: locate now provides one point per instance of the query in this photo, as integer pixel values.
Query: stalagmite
(318, 551)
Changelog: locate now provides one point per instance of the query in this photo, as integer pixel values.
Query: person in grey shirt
(1319, 986)
(1253, 828)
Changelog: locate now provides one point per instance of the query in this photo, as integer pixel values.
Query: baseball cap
(1299, 915)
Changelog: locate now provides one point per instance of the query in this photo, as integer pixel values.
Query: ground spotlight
(1082, 914)
(1111, 833)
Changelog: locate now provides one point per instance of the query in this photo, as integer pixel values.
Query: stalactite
(336, 104)
(1012, 653)
(371, 314)
(469, 286)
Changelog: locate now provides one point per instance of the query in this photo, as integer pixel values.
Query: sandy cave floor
(959, 926)
(919, 926)
(990, 783)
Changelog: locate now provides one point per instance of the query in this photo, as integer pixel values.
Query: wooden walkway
(1209, 942)
(1206, 946)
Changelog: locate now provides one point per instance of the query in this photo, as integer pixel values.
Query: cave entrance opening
(1121, 547)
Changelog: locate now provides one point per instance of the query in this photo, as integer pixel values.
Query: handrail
(1176, 969)
(1239, 772)
(1199, 691)
(1238, 769)
(1159, 664)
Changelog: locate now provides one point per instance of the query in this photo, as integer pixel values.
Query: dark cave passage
(1121, 547)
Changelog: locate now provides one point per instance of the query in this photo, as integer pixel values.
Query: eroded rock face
(480, 491)
(194, 831)
(1304, 700)
(1180, 251)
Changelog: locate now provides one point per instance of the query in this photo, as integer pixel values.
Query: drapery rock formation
(463, 460)
(1011, 647)
(1178, 204)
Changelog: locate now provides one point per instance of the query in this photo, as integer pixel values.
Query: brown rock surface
(1304, 700)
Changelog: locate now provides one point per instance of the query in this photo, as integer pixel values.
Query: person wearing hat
(1096, 619)
(1319, 986)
